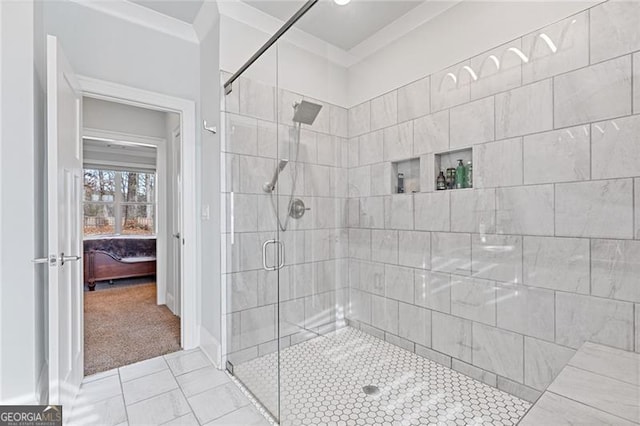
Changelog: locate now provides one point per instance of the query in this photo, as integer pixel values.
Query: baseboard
(170, 303)
(211, 347)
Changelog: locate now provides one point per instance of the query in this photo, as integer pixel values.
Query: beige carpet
(124, 325)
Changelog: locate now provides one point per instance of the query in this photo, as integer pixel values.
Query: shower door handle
(280, 255)
(264, 256)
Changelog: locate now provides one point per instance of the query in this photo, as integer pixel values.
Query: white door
(64, 157)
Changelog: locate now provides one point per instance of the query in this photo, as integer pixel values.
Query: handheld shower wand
(271, 185)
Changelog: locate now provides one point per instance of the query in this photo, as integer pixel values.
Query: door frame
(190, 288)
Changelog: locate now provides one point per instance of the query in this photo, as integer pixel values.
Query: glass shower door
(252, 252)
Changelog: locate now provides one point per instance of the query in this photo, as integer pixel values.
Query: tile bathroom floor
(182, 388)
(322, 379)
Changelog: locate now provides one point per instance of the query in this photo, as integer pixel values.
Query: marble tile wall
(511, 277)
(312, 286)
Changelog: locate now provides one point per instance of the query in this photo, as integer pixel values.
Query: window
(119, 203)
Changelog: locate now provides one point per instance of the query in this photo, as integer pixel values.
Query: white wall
(296, 69)
(116, 117)
(21, 338)
(465, 30)
(211, 333)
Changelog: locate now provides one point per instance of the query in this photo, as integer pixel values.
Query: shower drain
(371, 390)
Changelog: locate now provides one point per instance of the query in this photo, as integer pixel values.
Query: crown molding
(207, 17)
(143, 16)
(249, 15)
(408, 22)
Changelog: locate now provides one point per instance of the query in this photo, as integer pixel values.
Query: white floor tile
(159, 409)
(148, 386)
(201, 380)
(99, 376)
(142, 368)
(187, 361)
(188, 420)
(108, 412)
(217, 402)
(244, 416)
(98, 390)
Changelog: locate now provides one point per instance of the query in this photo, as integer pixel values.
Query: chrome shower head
(305, 112)
(270, 186)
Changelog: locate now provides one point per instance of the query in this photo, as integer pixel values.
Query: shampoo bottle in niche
(469, 174)
(461, 175)
(400, 183)
(441, 181)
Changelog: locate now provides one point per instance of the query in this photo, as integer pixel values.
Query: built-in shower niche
(410, 170)
(449, 159)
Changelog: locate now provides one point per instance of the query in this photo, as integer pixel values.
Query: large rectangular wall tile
(372, 212)
(415, 324)
(372, 277)
(433, 290)
(473, 210)
(636, 83)
(413, 100)
(242, 135)
(360, 119)
(597, 209)
(431, 133)
(557, 156)
(451, 335)
(636, 197)
(382, 179)
(432, 211)
(557, 263)
(353, 152)
(450, 87)
(498, 351)
(557, 48)
(399, 283)
(257, 99)
(524, 110)
(473, 299)
(585, 318)
(360, 244)
(398, 211)
(257, 325)
(525, 210)
(637, 309)
(398, 141)
(359, 306)
(384, 246)
(615, 269)
(526, 310)
(498, 164)
(371, 148)
(339, 121)
(472, 123)
(598, 92)
(414, 249)
(497, 70)
(384, 110)
(615, 148)
(384, 314)
(497, 257)
(614, 29)
(451, 253)
(543, 361)
(360, 181)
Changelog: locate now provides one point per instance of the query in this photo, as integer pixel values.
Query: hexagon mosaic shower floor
(322, 381)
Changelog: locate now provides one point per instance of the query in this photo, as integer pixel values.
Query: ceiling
(343, 26)
(184, 10)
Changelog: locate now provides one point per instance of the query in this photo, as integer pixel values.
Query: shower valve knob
(297, 208)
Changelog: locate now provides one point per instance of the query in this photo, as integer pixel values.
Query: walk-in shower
(363, 285)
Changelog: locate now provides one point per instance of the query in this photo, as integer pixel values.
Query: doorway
(131, 216)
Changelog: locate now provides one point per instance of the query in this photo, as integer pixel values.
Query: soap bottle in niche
(469, 174)
(400, 183)
(441, 181)
(461, 174)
